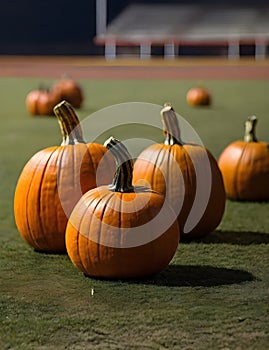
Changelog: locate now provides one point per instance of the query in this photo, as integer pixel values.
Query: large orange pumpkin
(42, 102)
(187, 174)
(121, 231)
(54, 179)
(245, 166)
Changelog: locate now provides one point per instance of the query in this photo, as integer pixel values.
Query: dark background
(62, 27)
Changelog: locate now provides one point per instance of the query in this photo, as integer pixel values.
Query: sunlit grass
(213, 295)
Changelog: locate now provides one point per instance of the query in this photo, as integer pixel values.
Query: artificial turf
(213, 295)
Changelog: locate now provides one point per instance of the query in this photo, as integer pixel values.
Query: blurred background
(126, 27)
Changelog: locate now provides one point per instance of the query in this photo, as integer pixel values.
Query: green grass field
(215, 292)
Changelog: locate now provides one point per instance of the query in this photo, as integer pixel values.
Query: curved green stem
(69, 124)
(122, 181)
(171, 128)
(250, 126)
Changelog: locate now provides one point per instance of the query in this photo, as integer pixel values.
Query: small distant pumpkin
(70, 91)
(42, 101)
(198, 96)
(54, 179)
(245, 166)
(117, 231)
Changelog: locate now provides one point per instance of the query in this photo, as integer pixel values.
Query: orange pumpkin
(187, 174)
(70, 91)
(245, 166)
(198, 96)
(54, 179)
(42, 102)
(121, 231)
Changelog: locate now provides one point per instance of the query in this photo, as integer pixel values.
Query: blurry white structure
(101, 17)
(177, 25)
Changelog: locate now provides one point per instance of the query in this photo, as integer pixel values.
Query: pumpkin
(54, 179)
(69, 90)
(198, 96)
(121, 231)
(187, 174)
(42, 101)
(245, 166)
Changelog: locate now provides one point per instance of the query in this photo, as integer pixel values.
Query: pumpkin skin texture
(245, 167)
(42, 102)
(188, 175)
(52, 182)
(70, 91)
(198, 97)
(102, 232)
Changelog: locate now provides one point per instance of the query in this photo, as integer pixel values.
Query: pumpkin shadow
(233, 237)
(197, 276)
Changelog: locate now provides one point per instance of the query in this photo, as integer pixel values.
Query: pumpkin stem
(122, 181)
(250, 125)
(171, 128)
(43, 88)
(69, 124)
